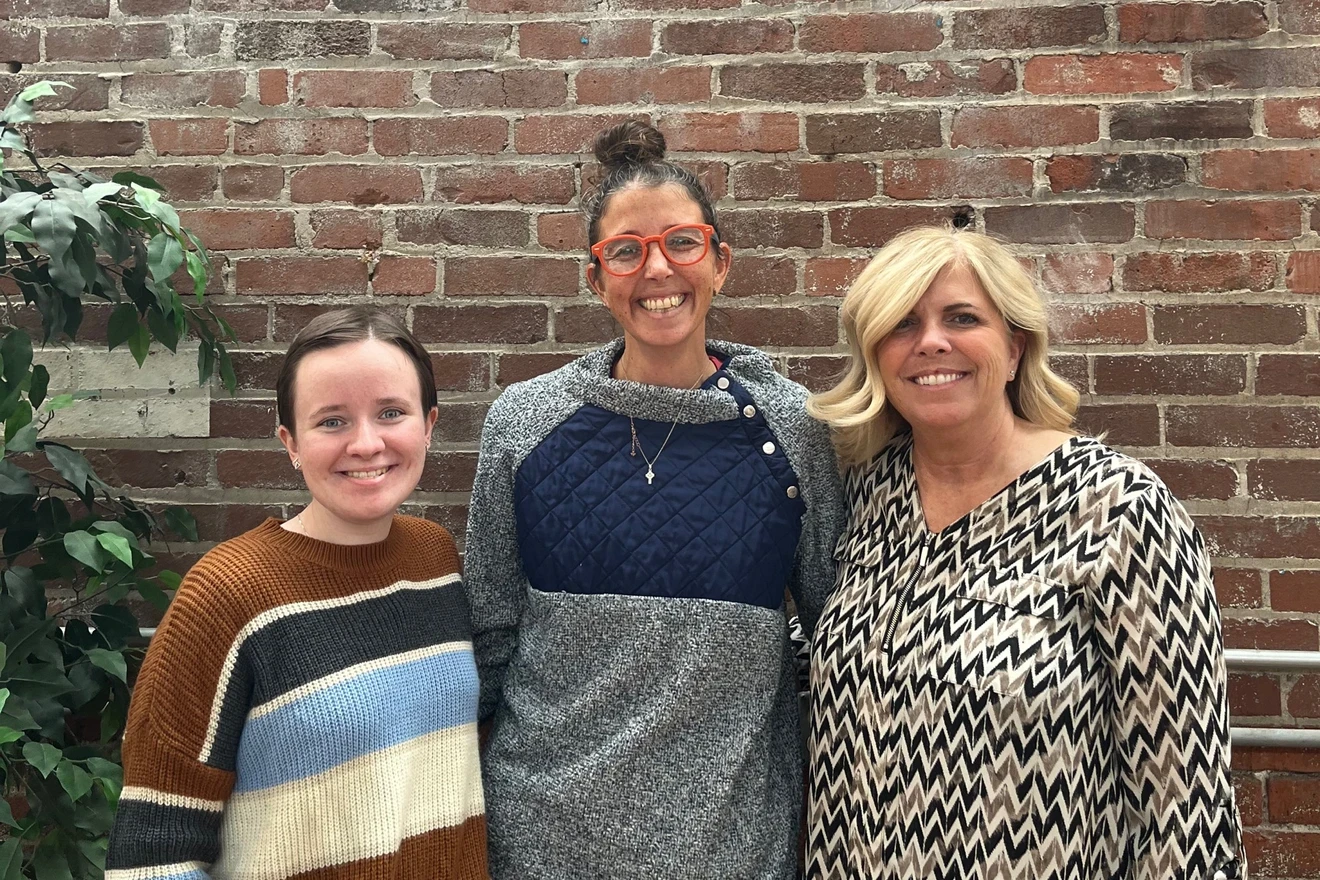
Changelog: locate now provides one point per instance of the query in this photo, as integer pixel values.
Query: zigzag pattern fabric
(307, 710)
(1037, 691)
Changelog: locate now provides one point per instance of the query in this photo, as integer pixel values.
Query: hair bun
(629, 143)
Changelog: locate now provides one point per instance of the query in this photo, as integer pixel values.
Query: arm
(822, 490)
(1159, 627)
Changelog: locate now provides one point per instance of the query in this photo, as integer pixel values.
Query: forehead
(643, 209)
(352, 372)
(956, 282)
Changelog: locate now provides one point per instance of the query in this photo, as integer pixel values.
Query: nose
(932, 338)
(657, 264)
(366, 440)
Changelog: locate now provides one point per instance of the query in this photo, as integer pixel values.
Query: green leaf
(205, 362)
(16, 352)
(84, 547)
(139, 344)
(14, 480)
(8, 735)
(20, 418)
(136, 180)
(4, 692)
(226, 369)
(72, 466)
(59, 401)
(123, 324)
(26, 590)
(11, 859)
(171, 579)
(197, 269)
(23, 642)
(76, 781)
(7, 814)
(114, 528)
(98, 191)
(182, 523)
(39, 385)
(164, 256)
(117, 547)
(153, 594)
(116, 623)
(16, 208)
(49, 861)
(162, 327)
(42, 756)
(24, 439)
(111, 661)
(20, 232)
(43, 89)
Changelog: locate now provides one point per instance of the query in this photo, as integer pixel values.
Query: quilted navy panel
(718, 522)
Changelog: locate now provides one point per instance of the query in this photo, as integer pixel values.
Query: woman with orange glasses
(636, 519)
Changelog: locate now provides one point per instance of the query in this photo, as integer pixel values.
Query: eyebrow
(951, 307)
(338, 407)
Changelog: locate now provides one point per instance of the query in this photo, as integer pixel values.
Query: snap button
(792, 491)
(722, 382)
(1220, 875)
(749, 410)
(768, 448)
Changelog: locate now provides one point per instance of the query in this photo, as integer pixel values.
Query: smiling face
(948, 361)
(361, 436)
(662, 307)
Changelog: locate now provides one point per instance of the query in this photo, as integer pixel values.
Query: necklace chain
(637, 443)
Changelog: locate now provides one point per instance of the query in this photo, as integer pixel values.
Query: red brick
(252, 183)
(150, 468)
(872, 132)
(288, 320)
(243, 419)
(463, 227)
(1254, 695)
(562, 232)
(1288, 374)
(976, 178)
(1303, 274)
(783, 326)
(290, 276)
(1283, 635)
(627, 38)
(731, 132)
(448, 472)
(108, 42)
(560, 134)
(207, 136)
(1295, 590)
(357, 184)
(301, 137)
(1071, 368)
(1124, 424)
(202, 39)
(872, 226)
(1101, 74)
(228, 230)
(437, 41)
(1089, 222)
(353, 88)
(1078, 273)
(1226, 220)
(440, 137)
(509, 88)
(1166, 374)
(274, 39)
(814, 83)
(1261, 171)
(511, 276)
(1299, 16)
(272, 86)
(346, 228)
(664, 5)
(1025, 126)
(1265, 758)
(761, 276)
(88, 92)
(1238, 587)
(521, 367)
(459, 422)
(539, 184)
(174, 91)
(1198, 273)
(831, 276)
(1292, 117)
(1285, 479)
(54, 8)
(1123, 173)
(1256, 68)
(461, 371)
(741, 37)
(1183, 120)
(403, 276)
(530, 5)
(1029, 28)
(944, 79)
(1114, 323)
(644, 85)
(586, 324)
(1230, 325)
(817, 373)
(86, 138)
(256, 469)
(1296, 800)
(868, 33)
(503, 325)
(803, 181)
(258, 370)
(1249, 794)
(774, 228)
(1190, 22)
(1274, 427)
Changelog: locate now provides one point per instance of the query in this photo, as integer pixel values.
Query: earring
(297, 464)
(1011, 375)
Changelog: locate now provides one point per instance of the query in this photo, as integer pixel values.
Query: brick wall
(1155, 163)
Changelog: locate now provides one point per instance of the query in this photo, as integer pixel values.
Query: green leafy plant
(75, 551)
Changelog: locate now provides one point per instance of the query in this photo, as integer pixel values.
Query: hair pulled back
(632, 153)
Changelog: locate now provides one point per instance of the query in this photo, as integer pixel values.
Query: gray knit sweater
(639, 735)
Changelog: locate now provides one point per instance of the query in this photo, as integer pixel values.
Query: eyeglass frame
(710, 237)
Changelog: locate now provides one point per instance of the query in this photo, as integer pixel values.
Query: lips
(367, 475)
(663, 303)
(939, 378)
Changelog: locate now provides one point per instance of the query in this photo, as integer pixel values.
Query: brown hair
(341, 327)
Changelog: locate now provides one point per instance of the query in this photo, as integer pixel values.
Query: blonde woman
(1020, 671)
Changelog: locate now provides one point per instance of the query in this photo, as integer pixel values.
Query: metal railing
(1259, 660)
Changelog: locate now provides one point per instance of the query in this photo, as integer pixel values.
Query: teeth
(938, 379)
(659, 304)
(366, 475)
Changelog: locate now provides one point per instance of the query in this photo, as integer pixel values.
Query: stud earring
(297, 464)
(1011, 375)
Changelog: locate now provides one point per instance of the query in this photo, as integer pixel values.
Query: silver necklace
(637, 443)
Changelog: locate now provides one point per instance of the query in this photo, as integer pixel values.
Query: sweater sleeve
(493, 573)
(1159, 628)
(170, 811)
(812, 578)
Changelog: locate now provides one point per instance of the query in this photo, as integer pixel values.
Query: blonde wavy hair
(860, 419)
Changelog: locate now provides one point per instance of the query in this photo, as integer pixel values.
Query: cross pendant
(650, 475)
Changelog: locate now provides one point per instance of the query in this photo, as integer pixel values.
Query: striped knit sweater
(307, 710)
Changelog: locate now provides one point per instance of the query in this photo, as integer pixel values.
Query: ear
(430, 423)
(594, 280)
(289, 442)
(1017, 344)
(723, 260)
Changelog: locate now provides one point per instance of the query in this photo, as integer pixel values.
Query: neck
(317, 522)
(681, 366)
(966, 454)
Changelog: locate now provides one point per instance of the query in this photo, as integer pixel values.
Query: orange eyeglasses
(683, 245)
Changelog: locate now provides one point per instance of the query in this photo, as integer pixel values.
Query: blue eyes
(959, 319)
(390, 415)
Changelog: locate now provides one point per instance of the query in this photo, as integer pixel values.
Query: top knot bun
(629, 143)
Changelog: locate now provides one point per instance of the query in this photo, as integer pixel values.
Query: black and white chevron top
(1037, 691)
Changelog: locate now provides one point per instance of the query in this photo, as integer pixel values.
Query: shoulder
(1116, 487)
(525, 412)
(429, 540)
